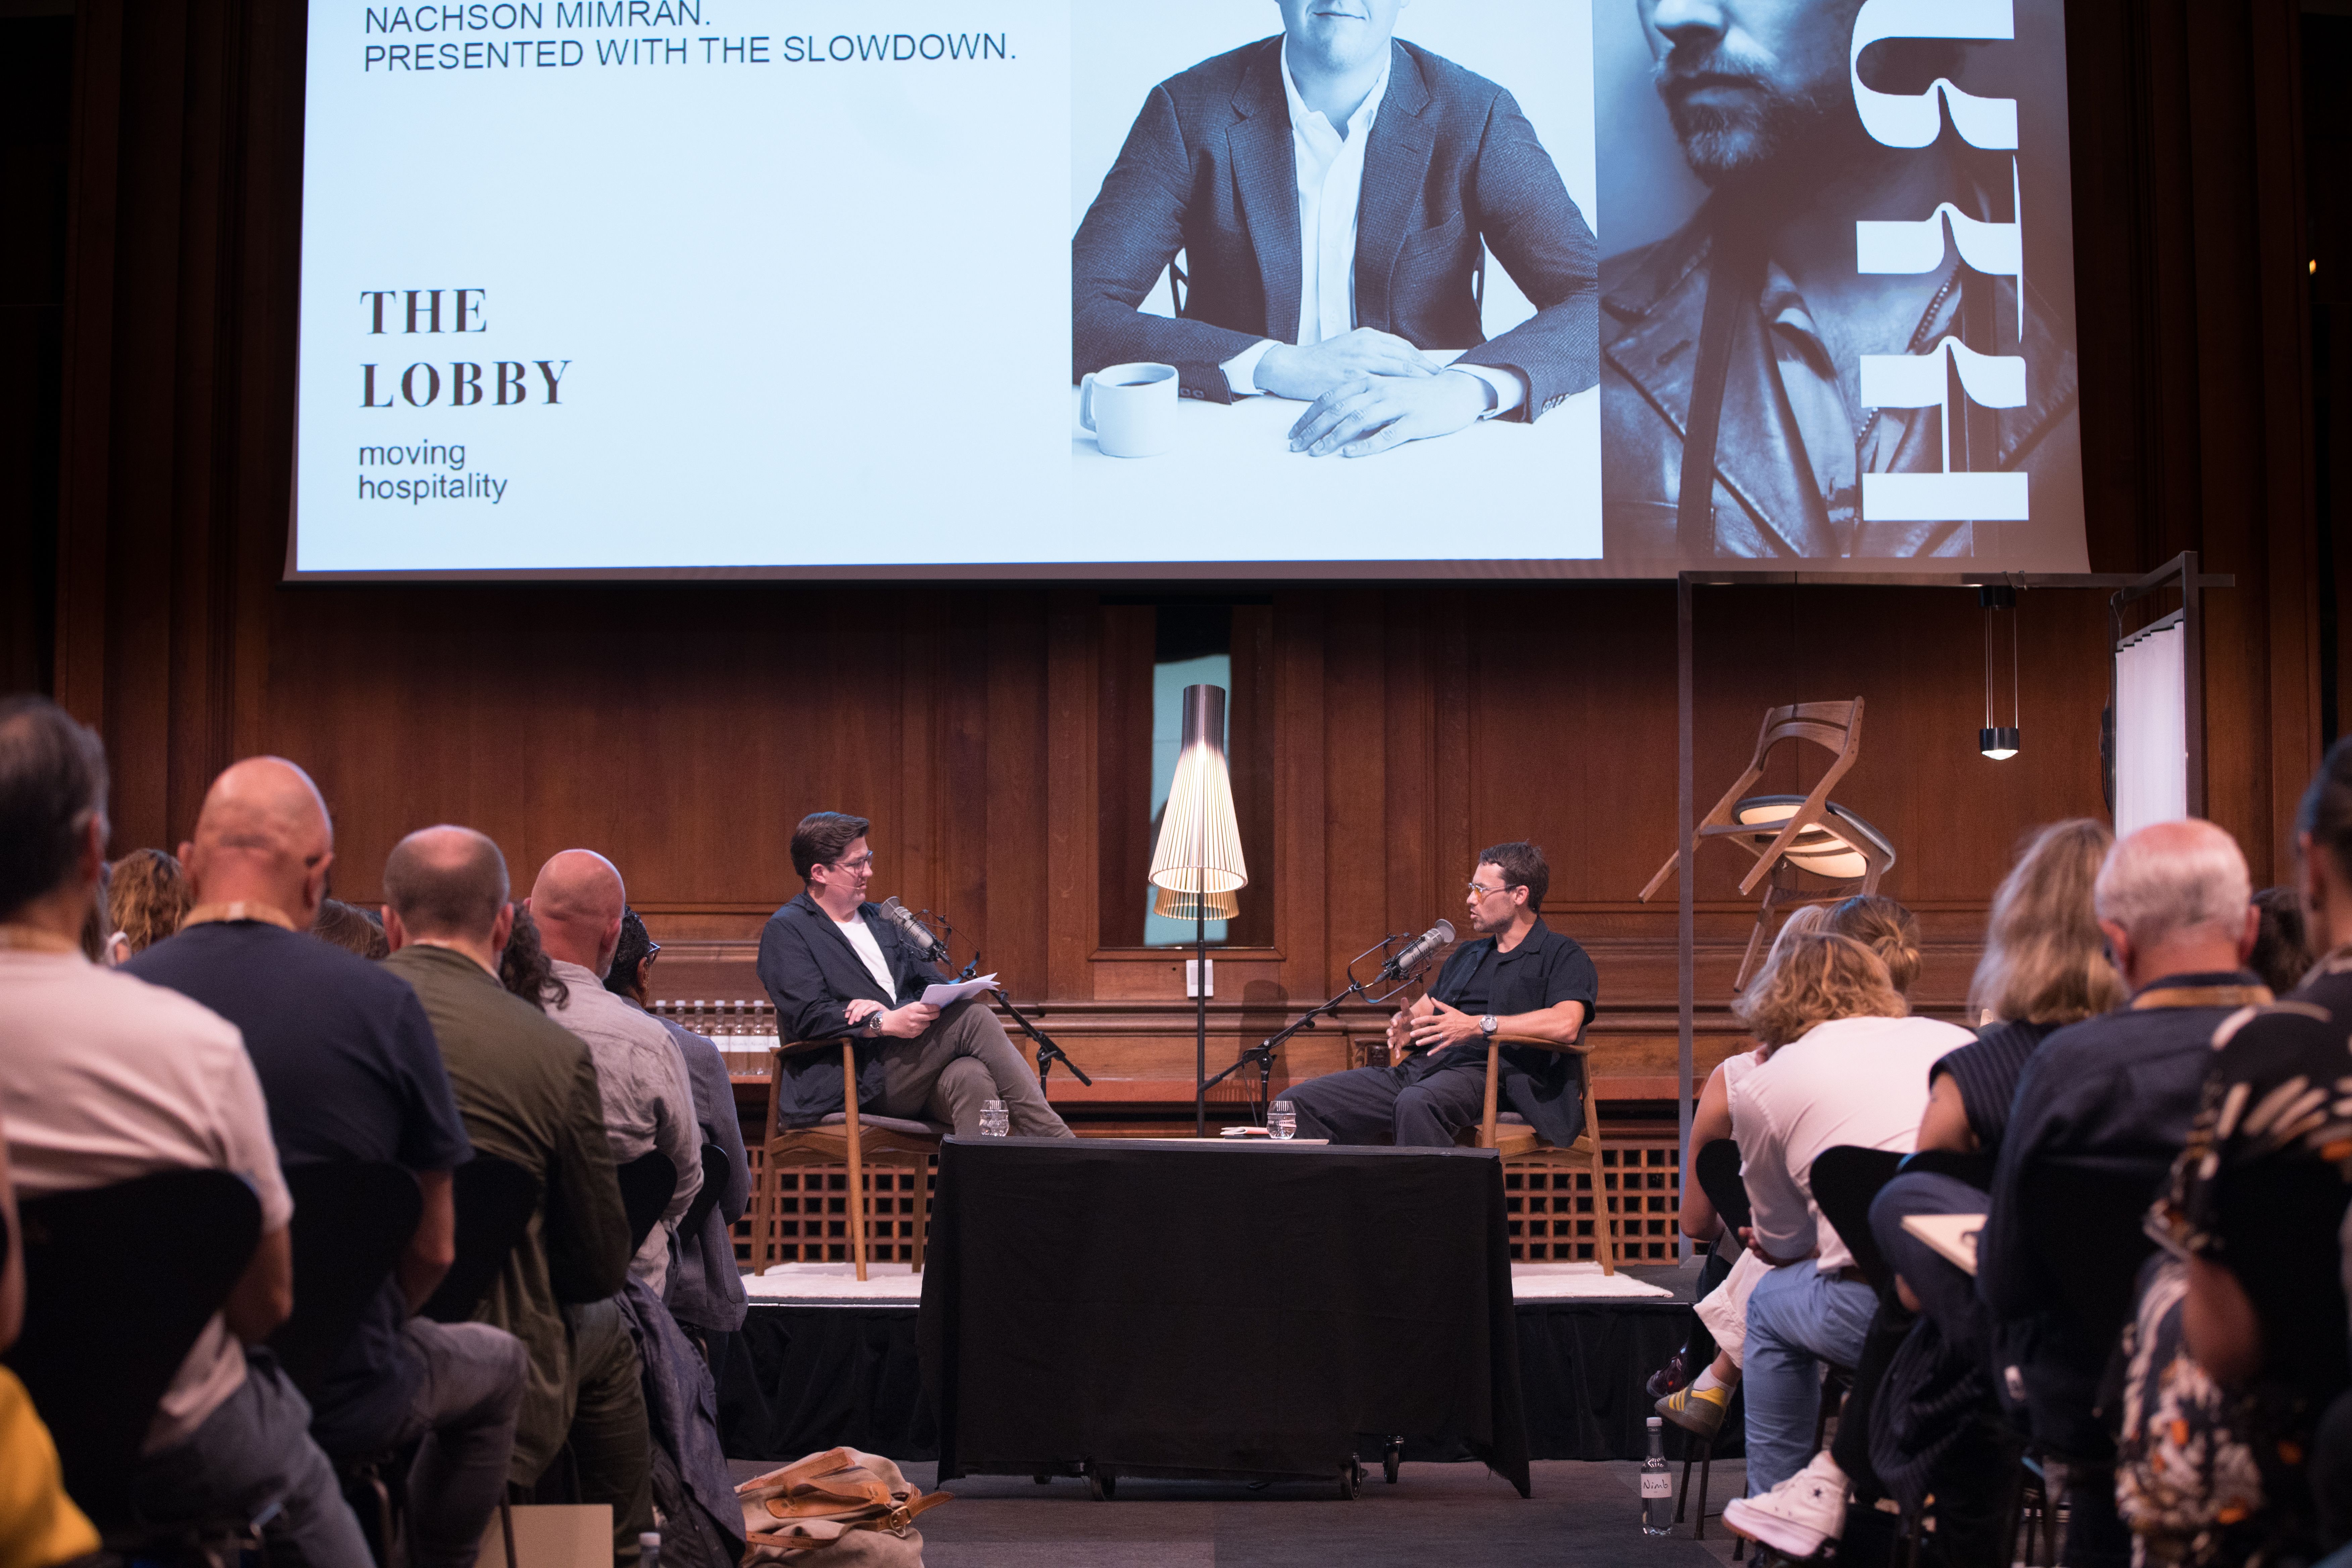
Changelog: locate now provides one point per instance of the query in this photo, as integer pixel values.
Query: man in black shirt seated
(1520, 978)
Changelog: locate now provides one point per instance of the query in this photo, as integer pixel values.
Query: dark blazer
(1208, 169)
(1544, 970)
(811, 973)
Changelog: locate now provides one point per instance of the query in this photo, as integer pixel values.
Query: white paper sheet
(948, 995)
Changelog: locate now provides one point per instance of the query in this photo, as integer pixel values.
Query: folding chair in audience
(1520, 1144)
(118, 1282)
(495, 1200)
(647, 1184)
(351, 1222)
(705, 1198)
(1974, 1168)
(847, 1137)
(1715, 1168)
(1844, 1181)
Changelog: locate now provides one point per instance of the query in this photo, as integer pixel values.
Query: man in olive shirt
(527, 1090)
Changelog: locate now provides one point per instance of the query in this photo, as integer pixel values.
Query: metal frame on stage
(2180, 572)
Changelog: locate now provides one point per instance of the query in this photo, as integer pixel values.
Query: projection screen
(1256, 288)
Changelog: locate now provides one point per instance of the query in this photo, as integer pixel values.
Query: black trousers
(1414, 1106)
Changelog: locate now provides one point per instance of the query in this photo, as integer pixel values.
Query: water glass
(1282, 1119)
(995, 1121)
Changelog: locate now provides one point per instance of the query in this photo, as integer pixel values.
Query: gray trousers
(250, 1455)
(612, 1442)
(465, 1411)
(1418, 1104)
(944, 1073)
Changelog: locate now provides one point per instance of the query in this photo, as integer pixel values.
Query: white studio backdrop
(2151, 729)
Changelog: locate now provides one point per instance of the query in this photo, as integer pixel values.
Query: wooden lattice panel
(811, 1224)
(1549, 1206)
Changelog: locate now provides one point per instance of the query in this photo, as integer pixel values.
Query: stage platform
(824, 1360)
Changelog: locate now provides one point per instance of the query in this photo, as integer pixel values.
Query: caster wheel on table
(1389, 1461)
(1351, 1479)
(1102, 1484)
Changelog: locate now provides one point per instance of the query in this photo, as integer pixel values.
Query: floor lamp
(1197, 865)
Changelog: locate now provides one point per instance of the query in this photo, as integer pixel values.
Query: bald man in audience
(578, 901)
(527, 1088)
(2115, 1092)
(352, 1074)
(104, 1079)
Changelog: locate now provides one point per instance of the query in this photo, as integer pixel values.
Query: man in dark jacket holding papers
(835, 965)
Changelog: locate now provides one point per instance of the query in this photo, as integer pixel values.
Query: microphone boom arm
(1048, 1053)
(1263, 1052)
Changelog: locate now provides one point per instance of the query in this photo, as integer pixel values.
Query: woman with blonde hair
(2045, 965)
(147, 896)
(1884, 927)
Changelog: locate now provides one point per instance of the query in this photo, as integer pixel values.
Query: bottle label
(1658, 1483)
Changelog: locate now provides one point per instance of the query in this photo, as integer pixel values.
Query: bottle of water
(648, 1550)
(1657, 1486)
(995, 1121)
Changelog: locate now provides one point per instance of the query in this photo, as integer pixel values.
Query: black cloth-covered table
(1216, 1309)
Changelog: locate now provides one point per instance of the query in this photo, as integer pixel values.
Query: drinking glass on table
(995, 1121)
(1282, 1119)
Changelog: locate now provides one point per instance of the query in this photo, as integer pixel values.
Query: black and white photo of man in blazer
(834, 964)
(1334, 191)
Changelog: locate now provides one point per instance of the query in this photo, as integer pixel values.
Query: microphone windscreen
(1445, 929)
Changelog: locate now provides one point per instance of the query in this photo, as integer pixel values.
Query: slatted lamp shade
(1197, 865)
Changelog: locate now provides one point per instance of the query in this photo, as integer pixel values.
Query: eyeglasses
(651, 949)
(863, 863)
(1479, 890)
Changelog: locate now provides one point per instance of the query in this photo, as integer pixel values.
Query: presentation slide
(1271, 289)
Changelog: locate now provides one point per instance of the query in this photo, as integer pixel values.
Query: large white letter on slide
(1909, 120)
(1920, 381)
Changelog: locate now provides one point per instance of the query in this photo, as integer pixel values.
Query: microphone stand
(1048, 1053)
(1263, 1052)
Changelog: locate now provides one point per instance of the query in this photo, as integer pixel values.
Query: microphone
(918, 935)
(1417, 951)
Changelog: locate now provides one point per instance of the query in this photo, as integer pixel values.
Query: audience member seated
(1722, 1311)
(527, 1090)
(356, 931)
(1925, 1408)
(104, 1078)
(705, 1287)
(1848, 1067)
(578, 902)
(2283, 953)
(147, 896)
(1518, 977)
(351, 1072)
(2240, 1340)
(524, 967)
(835, 966)
(2119, 1090)
(39, 1524)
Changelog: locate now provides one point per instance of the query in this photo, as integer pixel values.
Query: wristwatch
(1488, 1025)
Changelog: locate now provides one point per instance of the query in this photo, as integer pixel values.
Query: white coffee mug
(1131, 409)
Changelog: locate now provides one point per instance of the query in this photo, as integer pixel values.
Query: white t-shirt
(104, 1078)
(1858, 1082)
(870, 951)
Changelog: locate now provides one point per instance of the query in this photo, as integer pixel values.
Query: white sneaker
(1796, 1518)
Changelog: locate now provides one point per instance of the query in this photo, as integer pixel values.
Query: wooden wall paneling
(1312, 967)
(962, 688)
(1072, 811)
(1354, 771)
(1409, 733)
(1460, 640)
(1016, 803)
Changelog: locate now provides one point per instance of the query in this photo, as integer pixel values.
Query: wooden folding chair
(1520, 1144)
(847, 1137)
(1795, 837)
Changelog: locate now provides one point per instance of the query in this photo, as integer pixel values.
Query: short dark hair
(2327, 810)
(440, 899)
(637, 945)
(52, 781)
(1523, 866)
(822, 836)
(2281, 954)
(351, 928)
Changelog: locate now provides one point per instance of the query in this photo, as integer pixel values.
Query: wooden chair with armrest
(847, 1137)
(1520, 1144)
(1807, 848)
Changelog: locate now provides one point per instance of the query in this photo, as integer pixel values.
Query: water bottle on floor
(648, 1550)
(1657, 1486)
(995, 1121)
